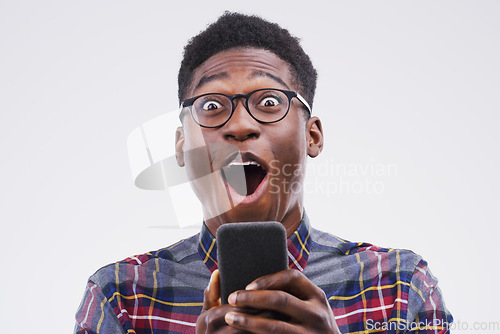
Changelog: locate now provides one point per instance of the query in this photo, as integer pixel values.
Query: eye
(269, 101)
(211, 105)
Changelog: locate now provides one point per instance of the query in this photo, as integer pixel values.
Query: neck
(290, 220)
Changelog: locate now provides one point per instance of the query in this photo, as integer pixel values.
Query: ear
(314, 136)
(179, 146)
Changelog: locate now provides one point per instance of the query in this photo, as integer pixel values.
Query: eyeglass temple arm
(304, 102)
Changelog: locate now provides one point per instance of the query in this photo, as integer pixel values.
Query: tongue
(253, 177)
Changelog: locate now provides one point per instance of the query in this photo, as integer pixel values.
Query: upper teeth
(243, 163)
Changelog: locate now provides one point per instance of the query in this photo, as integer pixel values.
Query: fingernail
(251, 286)
(230, 318)
(232, 299)
(210, 282)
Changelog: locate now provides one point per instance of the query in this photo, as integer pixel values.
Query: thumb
(212, 292)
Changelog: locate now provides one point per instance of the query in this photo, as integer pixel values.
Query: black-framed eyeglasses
(265, 105)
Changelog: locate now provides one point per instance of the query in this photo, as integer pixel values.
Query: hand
(211, 319)
(288, 292)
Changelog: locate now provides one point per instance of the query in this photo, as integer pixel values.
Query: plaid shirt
(370, 289)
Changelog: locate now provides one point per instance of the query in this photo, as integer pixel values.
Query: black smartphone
(247, 251)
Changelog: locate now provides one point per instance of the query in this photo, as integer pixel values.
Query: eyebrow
(206, 79)
(268, 75)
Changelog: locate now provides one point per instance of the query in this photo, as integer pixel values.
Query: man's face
(273, 155)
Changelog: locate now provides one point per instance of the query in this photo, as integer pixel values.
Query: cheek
(193, 137)
(290, 146)
(203, 153)
(289, 159)
(196, 154)
(196, 136)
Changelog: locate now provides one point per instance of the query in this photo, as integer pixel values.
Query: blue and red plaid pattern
(370, 289)
(299, 245)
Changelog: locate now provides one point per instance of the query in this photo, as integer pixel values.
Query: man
(246, 89)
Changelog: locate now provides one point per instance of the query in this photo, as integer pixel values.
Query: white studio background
(408, 95)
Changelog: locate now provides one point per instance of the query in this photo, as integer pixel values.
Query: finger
(230, 330)
(212, 292)
(212, 320)
(272, 300)
(253, 324)
(290, 280)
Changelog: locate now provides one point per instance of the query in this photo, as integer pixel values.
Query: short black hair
(234, 30)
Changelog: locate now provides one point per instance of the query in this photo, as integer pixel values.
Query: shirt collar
(299, 246)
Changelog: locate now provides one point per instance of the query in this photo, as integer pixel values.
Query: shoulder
(177, 252)
(359, 273)
(365, 254)
(116, 294)
(165, 259)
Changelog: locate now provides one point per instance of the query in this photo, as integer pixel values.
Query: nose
(241, 126)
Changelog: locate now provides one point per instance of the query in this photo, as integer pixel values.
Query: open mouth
(244, 177)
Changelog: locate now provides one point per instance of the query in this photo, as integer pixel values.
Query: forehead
(242, 69)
